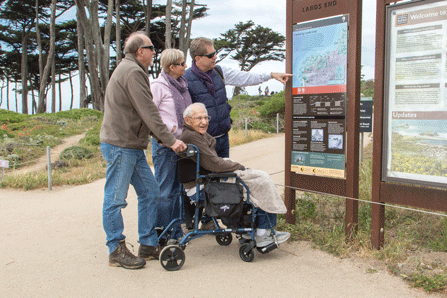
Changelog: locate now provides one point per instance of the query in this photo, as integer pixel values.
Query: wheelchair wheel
(224, 239)
(246, 254)
(172, 258)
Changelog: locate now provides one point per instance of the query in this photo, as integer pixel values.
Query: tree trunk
(182, 36)
(118, 32)
(17, 103)
(81, 65)
(46, 72)
(188, 31)
(168, 40)
(34, 106)
(71, 89)
(148, 17)
(7, 93)
(1, 93)
(24, 72)
(96, 91)
(105, 61)
(53, 86)
(60, 92)
(39, 45)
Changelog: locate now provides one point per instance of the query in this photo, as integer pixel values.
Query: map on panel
(320, 54)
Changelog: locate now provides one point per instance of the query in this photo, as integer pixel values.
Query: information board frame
(304, 11)
(385, 191)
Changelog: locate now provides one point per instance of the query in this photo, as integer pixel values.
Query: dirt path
(54, 155)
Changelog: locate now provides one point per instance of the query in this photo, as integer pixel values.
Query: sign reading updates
(319, 66)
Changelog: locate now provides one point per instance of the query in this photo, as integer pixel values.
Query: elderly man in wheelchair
(263, 193)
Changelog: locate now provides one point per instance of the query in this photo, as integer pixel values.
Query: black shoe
(149, 252)
(122, 257)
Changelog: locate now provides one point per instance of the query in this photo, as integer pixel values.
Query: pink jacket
(163, 96)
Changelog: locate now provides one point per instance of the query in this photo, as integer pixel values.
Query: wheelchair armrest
(222, 175)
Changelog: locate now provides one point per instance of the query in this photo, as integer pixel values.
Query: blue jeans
(168, 204)
(128, 166)
(223, 146)
(263, 222)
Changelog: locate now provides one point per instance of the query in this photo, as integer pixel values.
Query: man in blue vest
(206, 84)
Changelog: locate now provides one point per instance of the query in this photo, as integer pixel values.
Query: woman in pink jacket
(171, 96)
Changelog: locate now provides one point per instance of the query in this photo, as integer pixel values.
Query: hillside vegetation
(24, 139)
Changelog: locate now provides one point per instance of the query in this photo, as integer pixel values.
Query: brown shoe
(122, 257)
(149, 252)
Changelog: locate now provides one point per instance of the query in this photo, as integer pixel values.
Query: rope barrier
(360, 200)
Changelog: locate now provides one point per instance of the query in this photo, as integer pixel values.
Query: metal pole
(49, 168)
(246, 128)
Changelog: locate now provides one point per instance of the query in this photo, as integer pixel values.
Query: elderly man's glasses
(210, 55)
(151, 47)
(206, 118)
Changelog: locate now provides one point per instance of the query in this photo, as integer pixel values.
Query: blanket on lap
(263, 192)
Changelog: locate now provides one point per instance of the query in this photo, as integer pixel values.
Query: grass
(25, 141)
(411, 237)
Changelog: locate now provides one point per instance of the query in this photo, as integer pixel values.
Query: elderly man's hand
(281, 77)
(178, 146)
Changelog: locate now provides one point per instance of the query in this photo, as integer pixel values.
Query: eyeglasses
(206, 118)
(210, 55)
(182, 64)
(151, 47)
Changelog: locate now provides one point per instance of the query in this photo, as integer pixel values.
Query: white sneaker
(264, 240)
(281, 236)
(267, 238)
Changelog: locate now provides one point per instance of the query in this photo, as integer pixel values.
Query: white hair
(189, 111)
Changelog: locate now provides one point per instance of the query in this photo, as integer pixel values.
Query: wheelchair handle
(190, 151)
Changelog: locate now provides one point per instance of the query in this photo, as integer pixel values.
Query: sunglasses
(182, 64)
(210, 55)
(151, 47)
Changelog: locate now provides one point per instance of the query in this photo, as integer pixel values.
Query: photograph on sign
(415, 126)
(319, 65)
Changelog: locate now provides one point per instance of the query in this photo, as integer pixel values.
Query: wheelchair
(224, 200)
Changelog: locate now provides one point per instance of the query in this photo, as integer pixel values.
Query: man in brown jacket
(130, 116)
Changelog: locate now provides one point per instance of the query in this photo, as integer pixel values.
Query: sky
(223, 15)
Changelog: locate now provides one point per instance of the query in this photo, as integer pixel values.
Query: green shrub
(75, 114)
(11, 117)
(92, 136)
(262, 125)
(274, 105)
(305, 209)
(76, 152)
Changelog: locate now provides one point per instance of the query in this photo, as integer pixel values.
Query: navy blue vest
(217, 106)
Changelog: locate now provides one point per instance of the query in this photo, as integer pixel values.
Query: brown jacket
(130, 114)
(209, 159)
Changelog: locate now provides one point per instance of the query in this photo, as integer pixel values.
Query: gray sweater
(130, 114)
